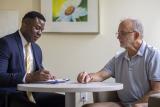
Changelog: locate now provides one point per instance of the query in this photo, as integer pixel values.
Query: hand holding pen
(40, 75)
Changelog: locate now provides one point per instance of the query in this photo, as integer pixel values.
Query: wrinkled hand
(42, 75)
(84, 77)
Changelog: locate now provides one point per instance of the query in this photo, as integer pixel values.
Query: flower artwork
(71, 16)
(69, 10)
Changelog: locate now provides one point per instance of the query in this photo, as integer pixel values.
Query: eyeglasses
(123, 33)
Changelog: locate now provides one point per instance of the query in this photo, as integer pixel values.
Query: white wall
(8, 22)
(68, 54)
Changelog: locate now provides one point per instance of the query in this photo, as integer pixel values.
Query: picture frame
(89, 25)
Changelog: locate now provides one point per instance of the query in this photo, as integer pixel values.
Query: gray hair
(137, 25)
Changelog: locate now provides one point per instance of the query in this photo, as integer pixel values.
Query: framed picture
(76, 16)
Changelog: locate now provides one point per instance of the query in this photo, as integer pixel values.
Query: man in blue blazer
(12, 64)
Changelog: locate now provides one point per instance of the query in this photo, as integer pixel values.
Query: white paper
(54, 81)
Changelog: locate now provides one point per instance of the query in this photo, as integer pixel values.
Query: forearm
(145, 98)
(99, 76)
(10, 79)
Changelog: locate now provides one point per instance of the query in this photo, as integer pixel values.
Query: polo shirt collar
(140, 51)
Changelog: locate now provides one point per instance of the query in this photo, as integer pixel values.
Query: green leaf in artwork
(82, 19)
(84, 4)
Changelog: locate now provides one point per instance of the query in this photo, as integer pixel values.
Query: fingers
(45, 71)
(84, 74)
(87, 78)
(52, 77)
(84, 77)
(80, 76)
(46, 75)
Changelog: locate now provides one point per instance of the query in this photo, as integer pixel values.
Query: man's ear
(26, 21)
(137, 35)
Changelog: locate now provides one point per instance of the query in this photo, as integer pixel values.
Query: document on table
(54, 81)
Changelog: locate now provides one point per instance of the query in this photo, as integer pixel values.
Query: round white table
(70, 88)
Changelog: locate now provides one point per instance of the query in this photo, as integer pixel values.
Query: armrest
(105, 96)
(154, 100)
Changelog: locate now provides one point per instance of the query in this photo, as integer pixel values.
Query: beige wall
(67, 54)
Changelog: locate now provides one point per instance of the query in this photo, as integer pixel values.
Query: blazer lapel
(35, 56)
(20, 47)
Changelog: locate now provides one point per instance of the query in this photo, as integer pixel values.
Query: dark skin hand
(42, 75)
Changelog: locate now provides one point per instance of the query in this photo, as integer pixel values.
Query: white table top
(71, 87)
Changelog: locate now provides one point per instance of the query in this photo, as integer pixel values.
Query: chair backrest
(105, 96)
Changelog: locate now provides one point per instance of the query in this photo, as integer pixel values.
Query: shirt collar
(24, 42)
(140, 51)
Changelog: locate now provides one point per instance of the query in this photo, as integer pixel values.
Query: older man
(138, 68)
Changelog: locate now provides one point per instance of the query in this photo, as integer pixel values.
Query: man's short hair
(137, 25)
(33, 15)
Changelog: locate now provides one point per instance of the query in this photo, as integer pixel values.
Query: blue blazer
(12, 68)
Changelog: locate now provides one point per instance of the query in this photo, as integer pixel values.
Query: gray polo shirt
(135, 73)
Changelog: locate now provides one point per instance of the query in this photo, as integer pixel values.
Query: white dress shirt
(24, 42)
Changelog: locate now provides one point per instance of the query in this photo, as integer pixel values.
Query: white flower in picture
(71, 11)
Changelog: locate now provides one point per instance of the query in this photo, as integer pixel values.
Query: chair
(154, 100)
(4, 101)
(105, 96)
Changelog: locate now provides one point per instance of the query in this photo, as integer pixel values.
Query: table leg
(70, 99)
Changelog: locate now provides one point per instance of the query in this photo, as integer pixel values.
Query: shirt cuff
(24, 78)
